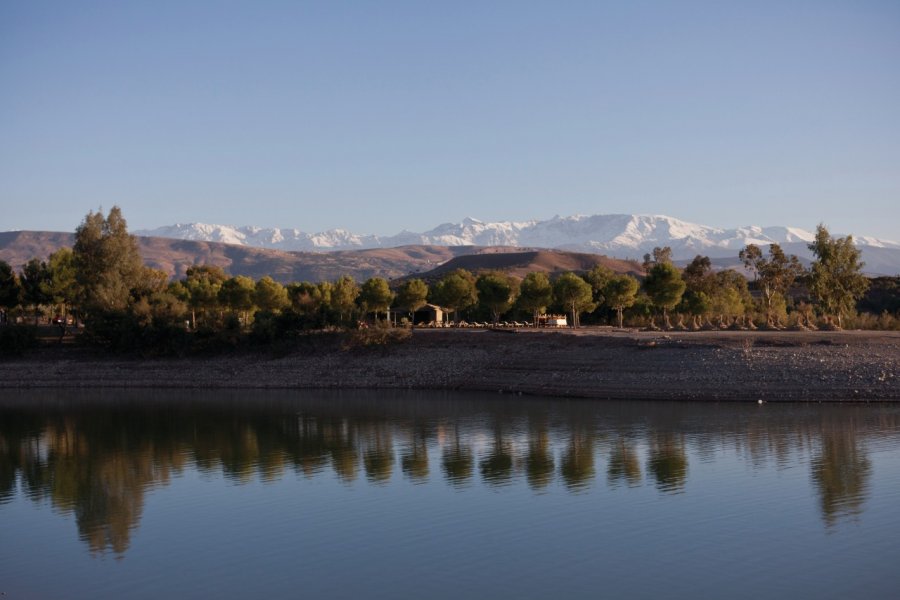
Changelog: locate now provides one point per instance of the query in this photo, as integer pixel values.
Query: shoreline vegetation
(592, 362)
(667, 334)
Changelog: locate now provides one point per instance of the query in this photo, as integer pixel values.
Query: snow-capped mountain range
(621, 236)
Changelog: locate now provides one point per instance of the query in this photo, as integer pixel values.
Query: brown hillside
(175, 256)
(18, 247)
(519, 262)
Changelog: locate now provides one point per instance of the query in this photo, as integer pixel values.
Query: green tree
(774, 275)
(697, 304)
(203, 283)
(575, 294)
(643, 308)
(376, 295)
(698, 275)
(322, 295)
(455, 291)
(151, 281)
(700, 287)
(35, 282)
(237, 294)
(659, 256)
(836, 279)
(63, 287)
(10, 291)
(303, 297)
(535, 294)
(269, 295)
(665, 287)
(411, 296)
(344, 292)
(159, 307)
(620, 293)
(152, 303)
(727, 303)
(730, 297)
(180, 291)
(497, 291)
(598, 277)
(309, 299)
(107, 262)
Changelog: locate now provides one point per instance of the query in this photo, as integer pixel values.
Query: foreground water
(359, 495)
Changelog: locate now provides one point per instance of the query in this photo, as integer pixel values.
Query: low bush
(165, 340)
(116, 331)
(216, 340)
(124, 332)
(269, 327)
(380, 336)
(864, 320)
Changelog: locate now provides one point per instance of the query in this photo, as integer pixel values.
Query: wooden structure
(428, 314)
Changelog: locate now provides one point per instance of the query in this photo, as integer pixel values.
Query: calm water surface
(154, 494)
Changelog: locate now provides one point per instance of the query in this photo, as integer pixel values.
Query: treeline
(102, 284)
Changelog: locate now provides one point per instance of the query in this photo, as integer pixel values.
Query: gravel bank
(589, 363)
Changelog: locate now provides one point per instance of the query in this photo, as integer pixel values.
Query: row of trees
(103, 274)
(835, 282)
(40, 283)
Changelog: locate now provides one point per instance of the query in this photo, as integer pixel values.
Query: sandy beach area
(586, 363)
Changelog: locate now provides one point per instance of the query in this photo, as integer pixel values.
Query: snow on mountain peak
(622, 235)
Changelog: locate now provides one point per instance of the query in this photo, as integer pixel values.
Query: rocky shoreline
(588, 363)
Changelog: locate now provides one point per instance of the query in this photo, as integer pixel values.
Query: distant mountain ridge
(618, 235)
(176, 256)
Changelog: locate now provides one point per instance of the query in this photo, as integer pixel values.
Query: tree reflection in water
(96, 460)
(414, 460)
(342, 450)
(306, 445)
(378, 457)
(539, 460)
(841, 472)
(668, 461)
(457, 460)
(624, 465)
(577, 464)
(497, 465)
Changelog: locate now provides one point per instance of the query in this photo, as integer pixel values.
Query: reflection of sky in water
(360, 497)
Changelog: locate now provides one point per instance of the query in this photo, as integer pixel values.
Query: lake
(385, 494)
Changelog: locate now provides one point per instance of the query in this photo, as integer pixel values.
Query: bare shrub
(380, 336)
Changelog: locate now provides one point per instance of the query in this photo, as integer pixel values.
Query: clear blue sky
(380, 116)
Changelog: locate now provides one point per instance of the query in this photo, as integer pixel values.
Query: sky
(382, 116)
